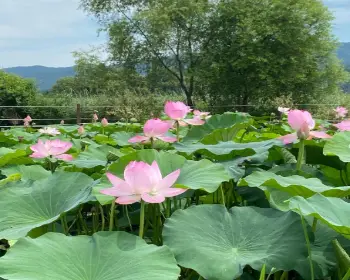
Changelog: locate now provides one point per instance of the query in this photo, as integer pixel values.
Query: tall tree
(15, 91)
(268, 48)
(171, 33)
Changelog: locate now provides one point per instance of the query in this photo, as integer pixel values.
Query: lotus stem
(177, 131)
(64, 224)
(222, 195)
(314, 224)
(111, 216)
(308, 246)
(301, 154)
(168, 207)
(142, 219)
(102, 217)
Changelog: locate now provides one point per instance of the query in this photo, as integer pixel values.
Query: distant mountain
(344, 54)
(46, 77)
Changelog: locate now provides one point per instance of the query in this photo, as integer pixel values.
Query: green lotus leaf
(225, 120)
(294, 185)
(202, 174)
(122, 138)
(103, 256)
(95, 156)
(235, 166)
(339, 146)
(104, 139)
(218, 243)
(315, 154)
(227, 150)
(322, 252)
(25, 205)
(8, 156)
(30, 172)
(333, 211)
(224, 134)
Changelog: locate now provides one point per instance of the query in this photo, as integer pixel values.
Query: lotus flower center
(153, 192)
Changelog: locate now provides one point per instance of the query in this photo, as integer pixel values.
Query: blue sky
(46, 32)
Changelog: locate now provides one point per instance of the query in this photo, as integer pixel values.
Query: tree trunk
(189, 100)
(245, 103)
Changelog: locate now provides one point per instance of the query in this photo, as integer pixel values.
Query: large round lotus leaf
(322, 252)
(224, 134)
(226, 120)
(339, 145)
(227, 150)
(26, 172)
(201, 174)
(122, 138)
(8, 156)
(218, 243)
(314, 154)
(236, 168)
(294, 185)
(104, 256)
(25, 205)
(331, 210)
(95, 156)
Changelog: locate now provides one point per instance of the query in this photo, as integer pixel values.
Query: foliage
(226, 52)
(15, 91)
(247, 206)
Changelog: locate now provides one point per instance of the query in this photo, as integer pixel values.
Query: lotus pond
(187, 196)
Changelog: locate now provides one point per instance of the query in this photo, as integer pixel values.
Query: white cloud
(43, 32)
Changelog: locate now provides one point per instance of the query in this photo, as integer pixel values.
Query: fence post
(78, 114)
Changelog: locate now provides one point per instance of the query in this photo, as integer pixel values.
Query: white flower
(283, 110)
(49, 131)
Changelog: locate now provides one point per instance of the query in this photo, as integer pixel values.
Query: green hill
(344, 53)
(46, 77)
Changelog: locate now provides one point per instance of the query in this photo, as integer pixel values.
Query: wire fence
(83, 114)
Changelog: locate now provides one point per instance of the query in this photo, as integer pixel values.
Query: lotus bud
(104, 122)
(81, 130)
(94, 117)
(27, 119)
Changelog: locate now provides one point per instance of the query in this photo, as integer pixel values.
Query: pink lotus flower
(283, 110)
(51, 148)
(49, 131)
(62, 122)
(27, 119)
(26, 124)
(154, 129)
(143, 181)
(104, 122)
(178, 111)
(343, 126)
(340, 112)
(201, 115)
(81, 130)
(94, 117)
(303, 123)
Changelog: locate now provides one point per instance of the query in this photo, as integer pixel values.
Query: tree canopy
(15, 91)
(225, 51)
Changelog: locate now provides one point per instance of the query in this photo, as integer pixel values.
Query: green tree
(15, 91)
(269, 48)
(235, 51)
(96, 77)
(170, 33)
